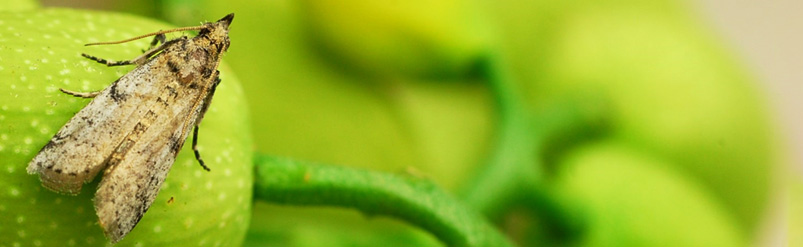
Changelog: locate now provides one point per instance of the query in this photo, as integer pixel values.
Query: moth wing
(79, 150)
(129, 188)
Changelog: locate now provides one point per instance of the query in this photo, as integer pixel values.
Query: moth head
(218, 32)
(226, 20)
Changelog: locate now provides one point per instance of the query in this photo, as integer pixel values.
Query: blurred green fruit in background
(398, 38)
(674, 92)
(633, 199)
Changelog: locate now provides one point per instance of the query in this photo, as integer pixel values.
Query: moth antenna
(150, 34)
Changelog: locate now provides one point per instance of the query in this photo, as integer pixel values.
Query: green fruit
(409, 38)
(631, 199)
(674, 92)
(42, 53)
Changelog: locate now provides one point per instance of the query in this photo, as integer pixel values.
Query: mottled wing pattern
(136, 173)
(81, 147)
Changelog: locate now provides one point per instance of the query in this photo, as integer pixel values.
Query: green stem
(415, 200)
(513, 158)
(514, 172)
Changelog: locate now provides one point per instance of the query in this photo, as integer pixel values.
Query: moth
(135, 127)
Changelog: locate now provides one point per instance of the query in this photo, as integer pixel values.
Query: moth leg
(195, 148)
(138, 60)
(80, 94)
(159, 38)
(107, 62)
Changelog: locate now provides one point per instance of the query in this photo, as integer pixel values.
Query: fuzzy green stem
(512, 158)
(513, 173)
(414, 200)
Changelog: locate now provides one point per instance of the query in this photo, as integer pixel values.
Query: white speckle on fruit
(13, 86)
(91, 26)
(23, 78)
(27, 61)
(33, 67)
(28, 140)
(240, 199)
(51, 88)
(14, 191)
(64, 71)
(37, 243)
(221, 196)
(5, 108)
(138, 244)
(71, 242)
(165, 185)
(18, 50)
(47, 36)
(50, 112)
(51, 53)
(202, 242)
(188, 222)
(49, 77)
(26, 108)
(222, 225)
(11, 169)
(2, 148)
(1, 68)
(197, 174)
(227, 172)
(20, 219)
(66, 81)
(208, 185)
(21, 233)
(33, 201)
(157, 229)
(53, 225)
(64, 61)
(16, 244)
(226, 215)
(34, 123)
(90, 240)
(57, 201)
(240, 183)
(44, 60)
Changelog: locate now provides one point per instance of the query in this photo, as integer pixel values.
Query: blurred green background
(691, 156)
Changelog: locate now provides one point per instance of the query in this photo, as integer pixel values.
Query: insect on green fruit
(135, 127)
